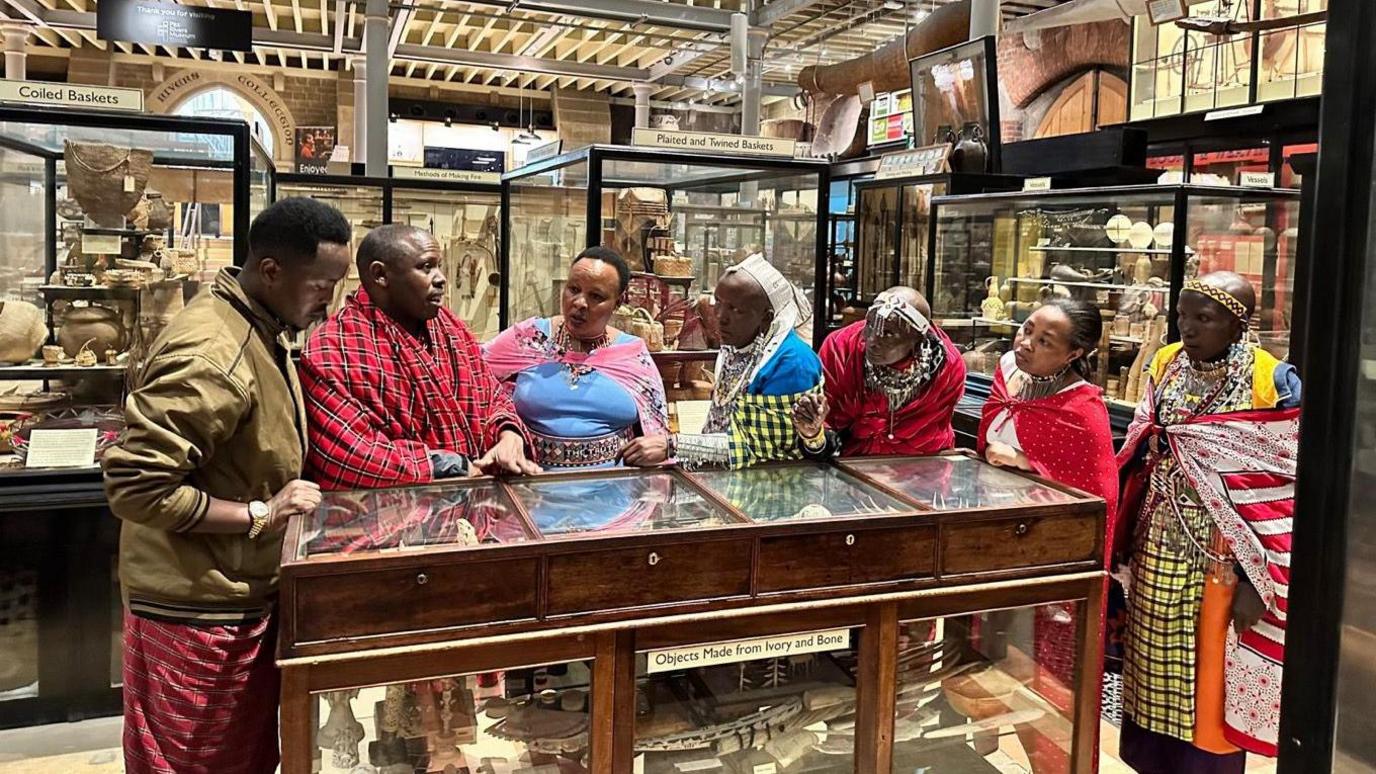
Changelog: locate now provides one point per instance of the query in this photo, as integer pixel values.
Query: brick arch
(1026, 73)
(182, 85)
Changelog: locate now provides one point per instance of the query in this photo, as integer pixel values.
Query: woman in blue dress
(583, 388)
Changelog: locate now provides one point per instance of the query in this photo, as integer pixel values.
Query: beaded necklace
(564, 343)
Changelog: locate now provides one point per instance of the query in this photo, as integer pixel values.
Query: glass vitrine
(678, 218)
(467, 223)
(532, 718)
(988, 691)
(894, 226)
(1175, 70)
(957, 482)
(778, 617)
(790, 712)
(112, 222)
(1126, 250)
(777, 493)
(464, 217)
(360, 200)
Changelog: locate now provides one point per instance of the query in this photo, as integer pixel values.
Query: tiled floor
(92, 747)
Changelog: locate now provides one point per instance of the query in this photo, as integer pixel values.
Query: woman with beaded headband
(1044, 415)
(892, 384)
(1205, 518)
(583, 388)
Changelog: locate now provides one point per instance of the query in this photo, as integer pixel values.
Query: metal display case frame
(596, 156)
(388, 615)
(59, 518)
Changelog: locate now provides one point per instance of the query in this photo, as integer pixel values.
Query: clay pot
(103, 328)
(971, 154)
(22, 331)
(159, 213)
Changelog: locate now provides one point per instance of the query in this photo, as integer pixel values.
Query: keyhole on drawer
(850, 540)
(1021, 529)
(654, 559)
(422, 579)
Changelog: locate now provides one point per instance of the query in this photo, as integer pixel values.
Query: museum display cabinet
(679, 219)
(464, 217)
(1127, 250)
(1177, 71)
(880, 615)
(894, 227)
(842, 199)
(111, 221)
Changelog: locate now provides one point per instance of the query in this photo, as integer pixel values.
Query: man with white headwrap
(763, 369)
(892, 384)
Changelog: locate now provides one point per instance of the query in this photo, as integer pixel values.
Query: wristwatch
(259, 512)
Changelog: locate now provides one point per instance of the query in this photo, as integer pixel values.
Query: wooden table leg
(297, 732)
(876, 690)
(1088, 689)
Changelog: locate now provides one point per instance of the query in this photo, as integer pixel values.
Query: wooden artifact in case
(804, 617)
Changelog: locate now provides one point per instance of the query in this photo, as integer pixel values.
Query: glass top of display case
(455, 514)
(629, 501)
(957, 482)
(776, 493)
(553, 507)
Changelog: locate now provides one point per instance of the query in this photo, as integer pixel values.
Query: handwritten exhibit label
(748, 145)
(39, 93)
(732, 651)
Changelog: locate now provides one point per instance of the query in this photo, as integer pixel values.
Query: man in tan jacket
(204, 481)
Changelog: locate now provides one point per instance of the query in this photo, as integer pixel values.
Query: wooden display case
(803, 616)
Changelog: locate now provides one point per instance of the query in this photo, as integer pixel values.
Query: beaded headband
(1234, 306)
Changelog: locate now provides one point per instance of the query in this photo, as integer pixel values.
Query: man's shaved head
(390, 243)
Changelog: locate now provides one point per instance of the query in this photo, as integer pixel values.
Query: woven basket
(673, 266)
(106, 180)
(672, 328)
(644, 326)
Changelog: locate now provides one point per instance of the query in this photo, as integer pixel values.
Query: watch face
(258, 509)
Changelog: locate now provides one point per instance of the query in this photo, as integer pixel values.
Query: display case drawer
(654, 575)
(1009, 544)
(846, 558)
(437, 596)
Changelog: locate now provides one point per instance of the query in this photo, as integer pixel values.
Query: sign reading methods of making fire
(448, 175)
(100, 97)
(161, 23)
(734, 651)
(741, 144)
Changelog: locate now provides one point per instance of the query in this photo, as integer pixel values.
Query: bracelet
(816, 442)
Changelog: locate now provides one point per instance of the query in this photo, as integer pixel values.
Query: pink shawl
(524, 346)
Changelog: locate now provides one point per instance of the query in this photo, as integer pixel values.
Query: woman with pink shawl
(583, 388)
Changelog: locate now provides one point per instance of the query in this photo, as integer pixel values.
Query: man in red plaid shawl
(396, 389)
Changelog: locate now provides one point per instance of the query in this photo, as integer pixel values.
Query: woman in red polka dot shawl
(1044, 416)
